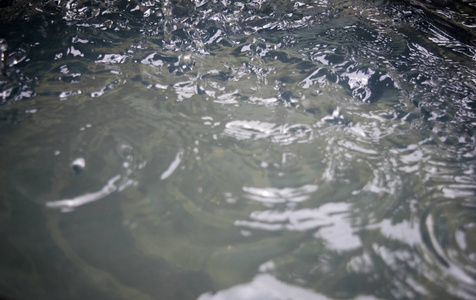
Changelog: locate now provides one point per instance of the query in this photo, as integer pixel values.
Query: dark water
(238, 150)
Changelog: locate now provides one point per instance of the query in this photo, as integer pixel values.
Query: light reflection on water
(237, 150)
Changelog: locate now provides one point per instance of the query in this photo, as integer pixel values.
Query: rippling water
(238, 150)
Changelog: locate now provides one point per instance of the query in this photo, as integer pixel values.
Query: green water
(237, 150)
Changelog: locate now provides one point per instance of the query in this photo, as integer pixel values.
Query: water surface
(238, 150)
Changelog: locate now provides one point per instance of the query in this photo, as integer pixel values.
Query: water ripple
(322, 144)
(283, 134)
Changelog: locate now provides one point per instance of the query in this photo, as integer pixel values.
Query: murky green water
(238, 150)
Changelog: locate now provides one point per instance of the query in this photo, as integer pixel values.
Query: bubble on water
(78, 165)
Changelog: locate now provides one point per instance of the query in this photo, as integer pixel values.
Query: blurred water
(238, 150)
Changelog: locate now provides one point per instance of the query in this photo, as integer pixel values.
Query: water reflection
(284, 134)
(267, 287)
(331, 220)
(237, 149)
(273, 195)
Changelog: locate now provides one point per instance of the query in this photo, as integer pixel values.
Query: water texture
(237, 150)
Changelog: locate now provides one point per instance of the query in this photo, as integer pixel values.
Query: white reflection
(75, 52)
(452, 268)
(313, 79)
(460, 238)
(65, 94)
(68, 205)
(111, 59)
(353, 146)
(339, 235)
(274, 195)
(149, 60)
(331, 221)
(358, 83)
(264, 101)
(173, 166)
(79, 163)
(247, 129)
(117, 183)
(76, 39)
(265, 286)
(358, 78)
(282, 134)
(459, 191)
(227, 98)
(406, 232)
(337, 117)
(416, 286)
(185, 90)
(361, 264)
(215, 38)
(98, 93)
